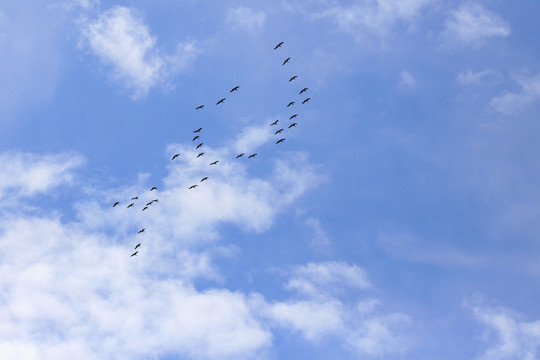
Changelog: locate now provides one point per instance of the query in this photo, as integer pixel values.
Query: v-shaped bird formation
(198, 133)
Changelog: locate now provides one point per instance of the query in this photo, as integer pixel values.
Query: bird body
(278, 45)
(286, 61)
(234, 88)
(291, 103)
(201, 154)
(303, 90)
(116, 203)
(280, 141)
(293, 78)
(175, 156)
(220, 101)
(199, 107)
(305, 101)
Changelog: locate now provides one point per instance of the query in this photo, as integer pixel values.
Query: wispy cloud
(515, 102)
(472, 24)
(120, 38)
(469, 77)
(406, 80)
(246, 18)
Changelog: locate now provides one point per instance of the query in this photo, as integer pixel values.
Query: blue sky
(398, 220)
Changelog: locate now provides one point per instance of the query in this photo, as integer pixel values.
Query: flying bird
(277, 132)
(116, 203)
(278, 45)
(198, 146)
(204, 178)
(274, 123)
(305, 101)
(195, 138)
(201, 154)
(280, 141)
(240, 155)
(130, 205)
(293, 125)
(135, 198)
(198, 130)
(293, 78)
(286, 61)
(155, 200)
(252, 156)
(292, 117)
(141, 231)
(291, 103)
(135, 253)
(150, 203)
(193, 186)
(220, 101)
(214, 162)
(153, 188)
(234, 88)
(137, 246)
(144, 208)
(303, 90)
(175, 156)
(199, 107)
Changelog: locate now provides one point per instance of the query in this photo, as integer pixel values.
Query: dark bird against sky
(116, 203)
(293, 125)
(199, 107)
(193, 187)
(292, 117)
(130, 205)
(240, 155)
(135, 198)
(141, 231)
(291, 103)
(204, 178)
(280, 141)
(220, 101)
(274, 123)
(303, 90)
(135, 253)
(175, 156)
(294, 77)
(305, 101)
(153, 188)
(234, 88)
(278, 45)
(277, 132)
(214, 162)
(252, 156)
(286, 61)
(198, 146)
(198, 130)
(137, 246)
(201, 154)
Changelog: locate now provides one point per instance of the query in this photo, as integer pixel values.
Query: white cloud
(245, 18)
(406, 79)
(511, 103)
(514, 337)
(472, 24)
(120, 38)
(470, 77)
(320, 241)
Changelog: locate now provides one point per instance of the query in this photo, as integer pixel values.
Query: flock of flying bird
(197, 133)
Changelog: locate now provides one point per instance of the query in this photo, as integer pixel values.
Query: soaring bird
(130, 205)
(155, 200)
(240, 155)
(199, 107)
(278, 45)
(292, 117)
(201, 154)
(291, 103)
(116, 203)
(149, 203)
(293, 78)
(144, 208)
(141, 231)
(280, 140)
(214, 162)
(193, 186)
(286, 61)
(153, 188)
(137, 246)
(198, 130)
(198, 146)
(135, 253)
(274, 123)
(220, 101)
(175, 156)
(204, 178)
(293, 125)
(252, 155)
(195, 138)
(303, 90)
(305, 101)
(277, 132)
(134, 198)
(234, 88)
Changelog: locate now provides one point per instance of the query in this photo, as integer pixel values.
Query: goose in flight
(155, 200)
(135, 198)
(153, 188)
(303, 90)
(144, 208)
(204, 178)
(175, 156)
(292, 117)
(305, 101)
(293, 125)
(293, 78)
(214, 162)
(252, 156)
(280, 141)
(116, 203)
(198, 146)
(198, 130)
(195, 138)
(130, 205)
(220, 101)
(278, 45)
(240, 155)
(234, 88)
(277, 132)
(149, 203)
(286, 61)
(193, 186)
(274, 123)
(137, 246)
(199, 107)
(141, 231)
(135, 253)
(201, 154)
(291, 103)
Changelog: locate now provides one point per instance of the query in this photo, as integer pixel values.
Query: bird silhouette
(274, 123)
(204, 178)
(280, 141)
(135, 253)
(277, 132)
(144, 208)
(201, 154)
(137, 246)
(198, 146)
(240, 155)
(292, 117)
(278, 45)
(303, 90)
(214, 162)
(116, 203)
(305, 101)
(141, 231)
(130, 205)
(293, 125)
(175, 156)
(291, 103)
(135, 198)
(199, 107)
(293, 78)
(155, 200)
(198, 130)
(286, 61)
(195, 138)
(149, 203)
(220, 101)
(234, 88)
(153, 188)
(193, 186)
(252, 156)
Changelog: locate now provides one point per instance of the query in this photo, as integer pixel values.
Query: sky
(397, 220)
